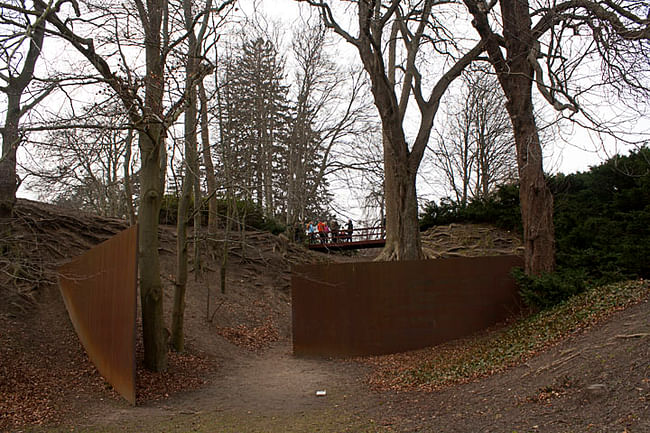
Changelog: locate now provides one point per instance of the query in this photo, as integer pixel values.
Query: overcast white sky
(577, 153)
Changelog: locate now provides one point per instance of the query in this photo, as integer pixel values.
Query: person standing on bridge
(327, 231)
(311, 231)
(334, 227)
(350, 228)
(322, 232)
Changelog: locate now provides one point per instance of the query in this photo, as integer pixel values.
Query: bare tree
(86, 166)
(453, 152)
(316, 76)
(409, 25)
(151, 118)
(329, 109)
(190, 188)
(23, 32)
(527, 54)
(475, 149)
(211, 179)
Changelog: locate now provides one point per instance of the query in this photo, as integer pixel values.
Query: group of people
(326, 232)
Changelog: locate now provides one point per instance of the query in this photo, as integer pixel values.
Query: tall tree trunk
(515, 73)
(152, 146)
(402, 228)
(10, 142)
(191, 186)
(196, 229)
(211, 181)
(181, 262)
(151, 134)
(128, 187)
(151, 293)
(210, 176)
(400, 171)
(534, 195)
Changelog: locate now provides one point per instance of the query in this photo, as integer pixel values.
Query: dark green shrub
(434, 214)
(549, 289)
(273, 225)
(602, 218)
(500, 209)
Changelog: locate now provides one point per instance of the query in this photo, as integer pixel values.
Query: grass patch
(493, 350)
(322, 420)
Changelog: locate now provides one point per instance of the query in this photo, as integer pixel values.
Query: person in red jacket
(322, 232)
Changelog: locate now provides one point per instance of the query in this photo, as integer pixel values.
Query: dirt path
(598, 381)
(278, 381)
(273, 391)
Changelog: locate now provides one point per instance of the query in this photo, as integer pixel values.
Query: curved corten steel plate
(353, 309)
(99, 291)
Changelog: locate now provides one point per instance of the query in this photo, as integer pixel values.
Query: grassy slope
(492, 351)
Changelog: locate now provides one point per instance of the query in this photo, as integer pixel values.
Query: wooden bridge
(366, 237)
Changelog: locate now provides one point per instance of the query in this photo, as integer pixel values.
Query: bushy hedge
(500, 209)
(602, 226)
(602, 218)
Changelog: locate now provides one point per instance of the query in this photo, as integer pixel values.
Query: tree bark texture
(10, 142)
(515, 73)
(151, 293)
(402, 228)
(152, 141)
(535, 196)
(14, 89)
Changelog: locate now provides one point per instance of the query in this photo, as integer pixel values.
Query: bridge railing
(343, 235)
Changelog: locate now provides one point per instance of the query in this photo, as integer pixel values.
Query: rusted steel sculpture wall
(99, 291)
(378, 308)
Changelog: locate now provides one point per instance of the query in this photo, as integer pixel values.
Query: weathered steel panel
(387, 307)
(99, 291)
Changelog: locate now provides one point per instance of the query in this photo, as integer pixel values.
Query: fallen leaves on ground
(41, 389)
(44, 388)
(185, 372)
(546, 394)
(252, 338)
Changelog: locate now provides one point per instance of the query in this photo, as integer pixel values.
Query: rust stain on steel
(99, 291)
(377, 308)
